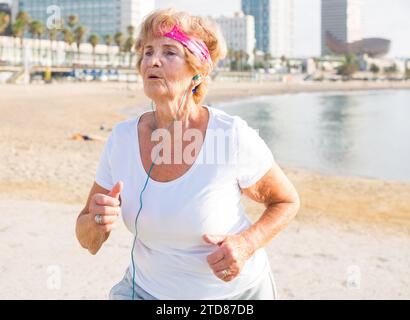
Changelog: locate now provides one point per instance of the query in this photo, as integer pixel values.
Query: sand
(350, 239)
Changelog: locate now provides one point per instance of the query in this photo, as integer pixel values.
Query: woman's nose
(155, 60)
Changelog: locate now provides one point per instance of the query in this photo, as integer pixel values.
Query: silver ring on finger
(98, 219)
(225, 273)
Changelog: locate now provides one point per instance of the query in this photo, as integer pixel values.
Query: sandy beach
(350, 239)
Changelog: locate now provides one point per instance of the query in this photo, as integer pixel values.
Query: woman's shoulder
(124, 128)
(226, 120)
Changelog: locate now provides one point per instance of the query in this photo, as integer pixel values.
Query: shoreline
(251, 89)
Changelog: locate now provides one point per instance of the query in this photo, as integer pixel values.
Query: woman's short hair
(162, 21)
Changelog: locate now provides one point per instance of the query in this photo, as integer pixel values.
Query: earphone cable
(143, 189)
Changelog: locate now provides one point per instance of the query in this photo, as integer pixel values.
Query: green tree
(108, 42)
(52, 36)
(350, 66)
(391, 70)
(374, 69)
(24, 21)
(129, 44)
(79, 34)
(4, 23)
(36, 29)
(24, 18)
(72, 22)
(119, 41)
(94, 40)
(18, 30)
(267, 57)
(241, 56)
(68, 38)
(407, 66)
(231, 56)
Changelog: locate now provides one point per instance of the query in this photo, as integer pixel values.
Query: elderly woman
(177, 173)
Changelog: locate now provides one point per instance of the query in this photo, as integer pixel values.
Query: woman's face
(164, 70)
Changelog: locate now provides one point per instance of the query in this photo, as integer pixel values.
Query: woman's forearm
(88, 237)
(274, 219)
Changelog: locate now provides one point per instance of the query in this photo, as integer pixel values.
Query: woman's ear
(196, 81)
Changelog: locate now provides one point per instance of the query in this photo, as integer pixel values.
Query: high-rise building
(239, 33)
(342, 20)
(99, 17)
(274, 25)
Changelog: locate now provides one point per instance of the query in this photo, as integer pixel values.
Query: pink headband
(196, 46)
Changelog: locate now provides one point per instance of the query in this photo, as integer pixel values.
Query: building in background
(342, 21)
(239, 33)
(99, 17)
(274, 25)
(342, 30)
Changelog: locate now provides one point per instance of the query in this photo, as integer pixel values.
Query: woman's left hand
(231, 255)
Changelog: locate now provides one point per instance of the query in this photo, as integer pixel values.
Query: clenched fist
(104, 210)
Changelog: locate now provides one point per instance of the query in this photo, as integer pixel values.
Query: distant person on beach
(176, 174)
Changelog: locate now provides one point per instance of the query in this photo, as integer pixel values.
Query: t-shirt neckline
(188, 172)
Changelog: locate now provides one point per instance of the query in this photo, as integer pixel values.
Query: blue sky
(382, 18)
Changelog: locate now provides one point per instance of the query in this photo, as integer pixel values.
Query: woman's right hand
(108, 207)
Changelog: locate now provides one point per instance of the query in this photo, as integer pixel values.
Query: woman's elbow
(295, 202)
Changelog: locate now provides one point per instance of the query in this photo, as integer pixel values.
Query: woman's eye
(149, 53)
(170, 53)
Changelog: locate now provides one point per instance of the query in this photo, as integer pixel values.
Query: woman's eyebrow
(170, 45)
(164, 45)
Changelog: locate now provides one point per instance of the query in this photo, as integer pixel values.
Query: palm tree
(119, 40)
(407, 71)
(246, 57)
(94, 40)
(52, 36)
(374, 69)
(241, 56)
(130, 30)
(128, 46)
(69, 40)
(391, 70)
(72, 21)
(267, 57)
(79, 34)
(237, 55)
(36, 28)
(24, 18)
(129, 43)
(349, 66)
(230, 55)
(20, 26)
(285, 63)
(4, 23)
(18, 30)
(108, 42)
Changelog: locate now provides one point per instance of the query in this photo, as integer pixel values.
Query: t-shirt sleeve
(254, 158)
(103, 176)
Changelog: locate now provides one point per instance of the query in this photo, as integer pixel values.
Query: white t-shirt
(170, 254)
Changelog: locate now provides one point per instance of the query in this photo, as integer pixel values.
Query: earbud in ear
(195, 78)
